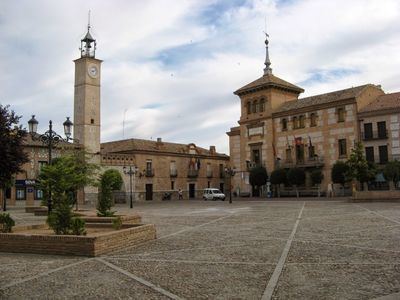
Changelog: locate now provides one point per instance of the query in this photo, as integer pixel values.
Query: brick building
(277, 129)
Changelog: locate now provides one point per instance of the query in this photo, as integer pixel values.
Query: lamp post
(50, 138)
(230, 172)
(131, 172)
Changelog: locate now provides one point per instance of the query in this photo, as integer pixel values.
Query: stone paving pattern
(217, 250)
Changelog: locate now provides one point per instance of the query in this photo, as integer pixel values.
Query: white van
(213, 194)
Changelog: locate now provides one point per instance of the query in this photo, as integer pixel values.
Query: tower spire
(267, 63)
(88, 43)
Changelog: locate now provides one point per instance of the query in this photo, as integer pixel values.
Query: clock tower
(87, 97)
(87, 104)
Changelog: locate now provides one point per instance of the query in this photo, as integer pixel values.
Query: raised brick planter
(90, 245)
(131, 219)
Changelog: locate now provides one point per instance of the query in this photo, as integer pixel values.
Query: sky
(170, 67)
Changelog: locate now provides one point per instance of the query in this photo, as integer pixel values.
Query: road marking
(140, 280)
(378, 214)
(345, 245)
(191, 261)
(269, 290)
(43, 274)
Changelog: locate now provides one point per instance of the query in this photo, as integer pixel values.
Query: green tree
(392, 173)
(12, 155)
(338, 173)
(358, 167)
(258, 177)
(277, 178)
(66, 175)
(316, 177)
(296, 177)
(110, 180)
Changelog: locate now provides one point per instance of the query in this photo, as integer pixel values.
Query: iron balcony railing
(374, 135)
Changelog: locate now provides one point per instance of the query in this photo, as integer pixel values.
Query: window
(248, 107)
(383, 154)
(262, 105)
(256, 156)
(382, 134)
(295, 124)
(301, 121)
(341, 114)
(284, 124)
(38, 194)
(172, 185)
(20, 193)
(311, 152)
(255, 106)
(369, 154)
(91, 121)
(208, 184)
(368, 131)
(342, 148)
(313, 120)
(172, 168)
(300, 153)
(288, 155)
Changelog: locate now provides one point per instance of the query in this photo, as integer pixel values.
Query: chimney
(212, 149)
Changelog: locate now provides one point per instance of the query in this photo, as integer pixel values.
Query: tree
(316, 177)
(258, 176)
(277, 178)
(110, 181)
(358, 167)
(12, 155)
(338, 173)
(296, 177)
(392, 173)
(65, 176)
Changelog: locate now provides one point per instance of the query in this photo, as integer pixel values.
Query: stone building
(163, 167)
(160, 166)
(25, 188)
(277, 129)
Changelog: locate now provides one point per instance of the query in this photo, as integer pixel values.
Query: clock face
(92, 71)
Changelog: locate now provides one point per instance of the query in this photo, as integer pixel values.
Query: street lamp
(50, 138)
(230, 172)
(131, 172)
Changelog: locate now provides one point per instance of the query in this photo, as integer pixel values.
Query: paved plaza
(217, 250)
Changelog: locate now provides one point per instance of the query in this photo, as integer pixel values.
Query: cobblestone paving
(217, 250)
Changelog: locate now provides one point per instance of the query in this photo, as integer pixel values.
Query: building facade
(277, 129)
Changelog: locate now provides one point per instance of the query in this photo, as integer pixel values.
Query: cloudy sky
(170, 67)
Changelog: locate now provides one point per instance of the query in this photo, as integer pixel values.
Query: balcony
(193, 173)
(149, 172)
(173, 172)
(311, 162)
(375, 135)
(209, 173)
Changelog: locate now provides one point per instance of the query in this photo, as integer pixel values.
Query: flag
(298, 141)
(273, 149)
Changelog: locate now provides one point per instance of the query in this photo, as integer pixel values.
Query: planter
(101, 239)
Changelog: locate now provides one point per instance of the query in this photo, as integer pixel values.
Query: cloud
(170, 67)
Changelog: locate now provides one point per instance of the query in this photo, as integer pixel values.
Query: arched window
(255, 106)
(248, 107)
(295, 122)
(301, 121)
(262, 105)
